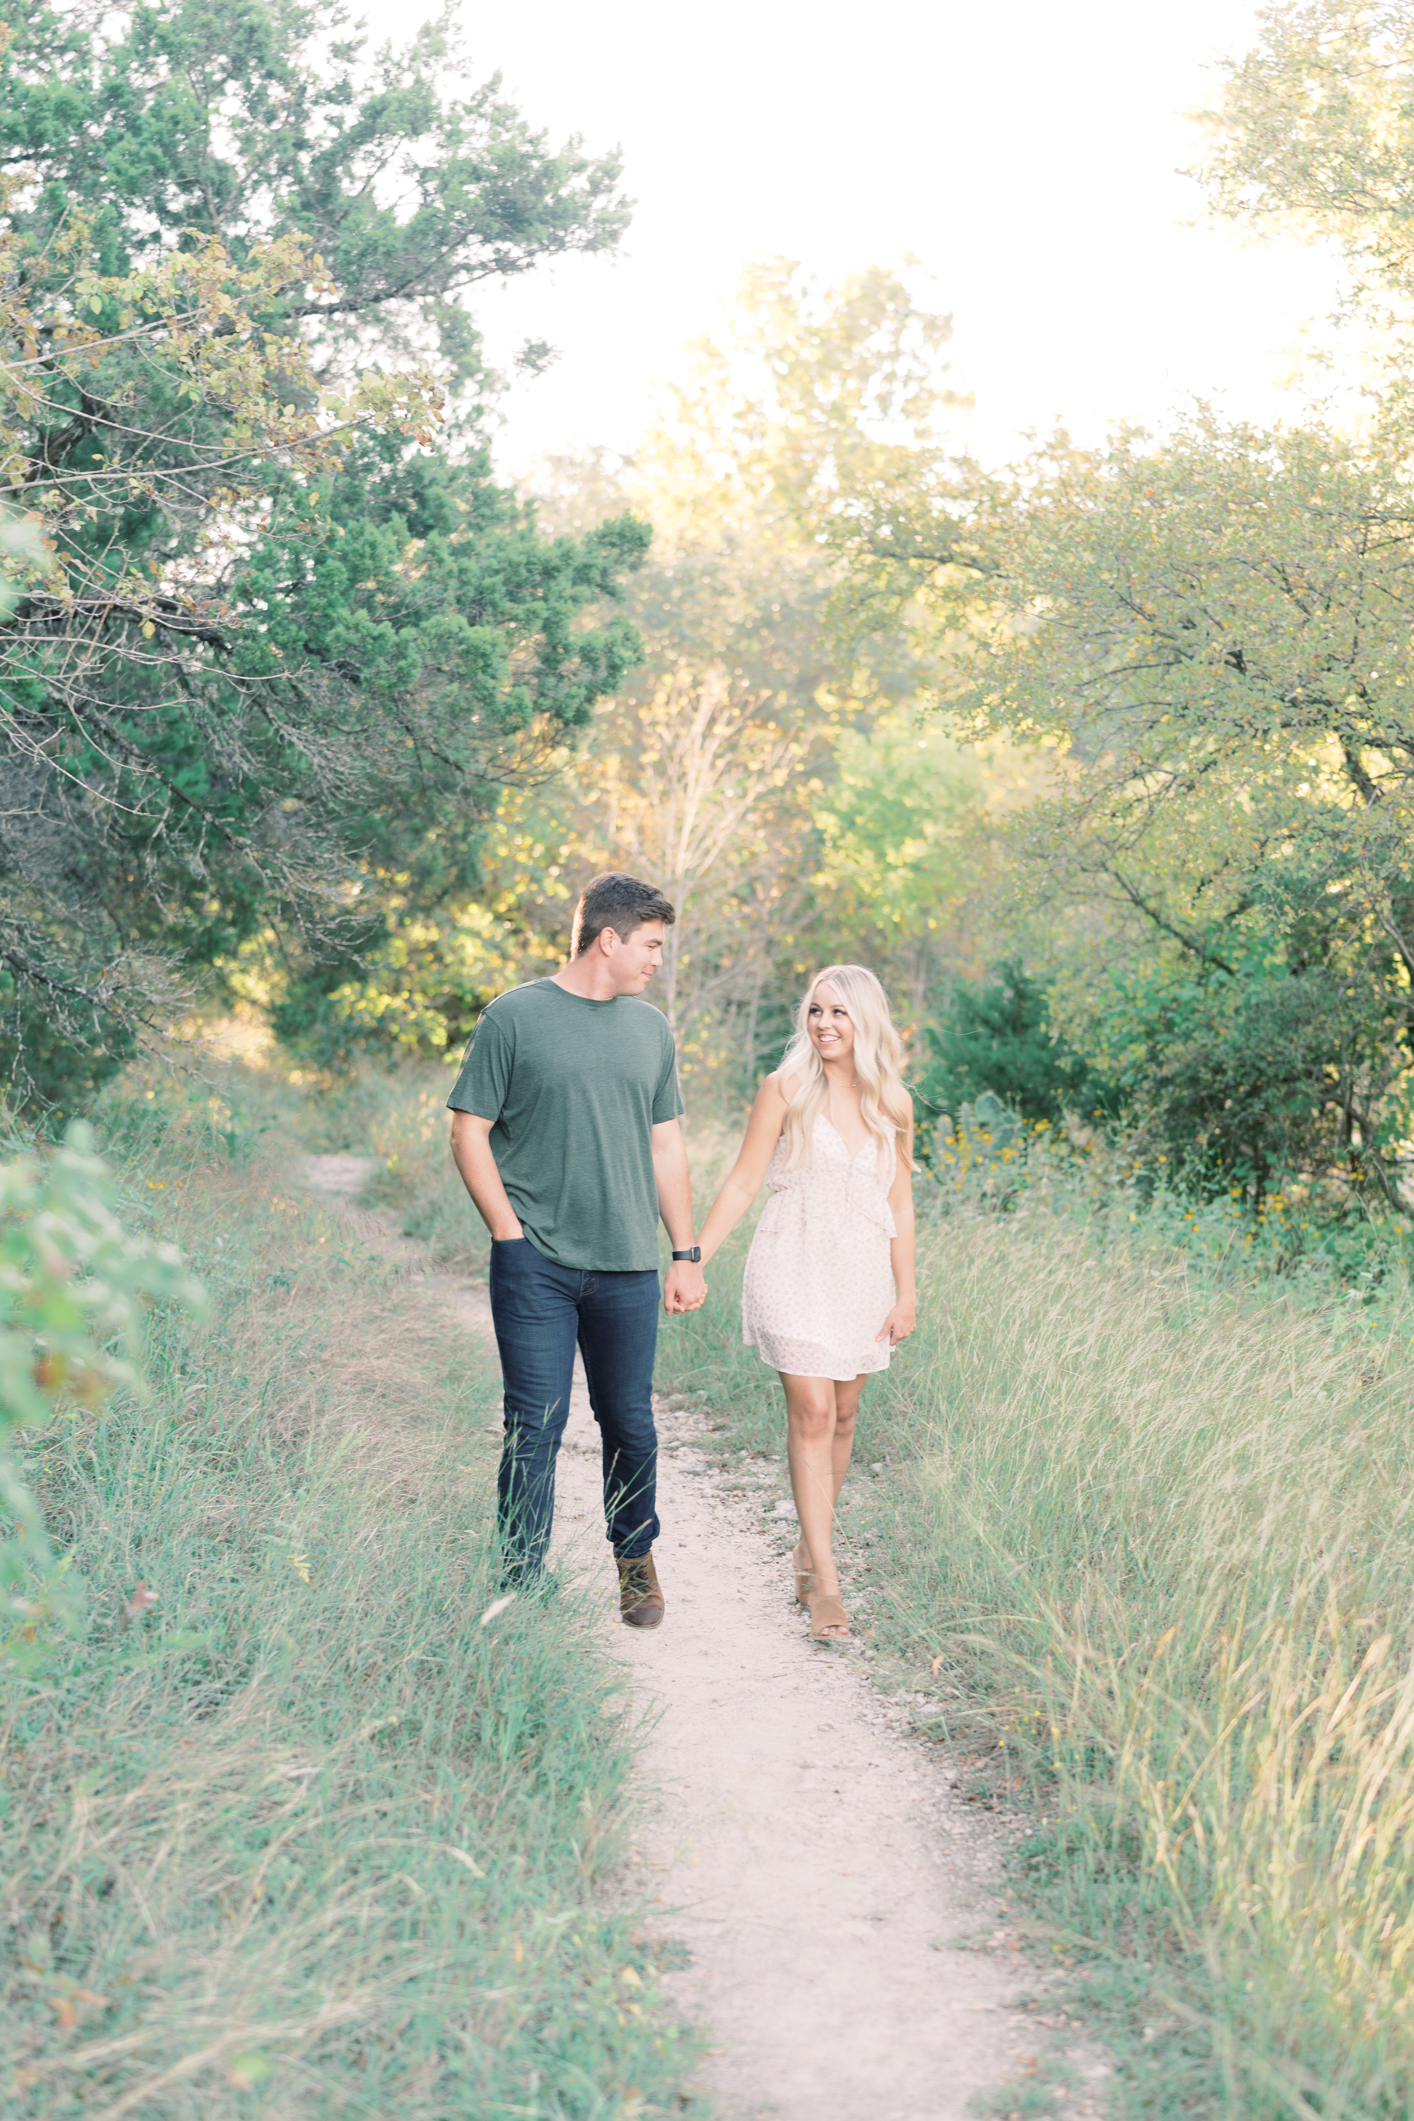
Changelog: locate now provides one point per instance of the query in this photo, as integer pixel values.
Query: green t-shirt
(575, 1088)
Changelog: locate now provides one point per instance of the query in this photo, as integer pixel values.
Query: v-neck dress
(819, 1277)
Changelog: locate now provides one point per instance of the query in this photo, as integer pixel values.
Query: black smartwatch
(693, 1252)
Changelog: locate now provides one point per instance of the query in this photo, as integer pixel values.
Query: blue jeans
(540, 1311)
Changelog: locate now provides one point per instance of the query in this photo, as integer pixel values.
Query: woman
(829, 1288)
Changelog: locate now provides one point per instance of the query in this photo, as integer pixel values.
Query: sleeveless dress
(819, 1280)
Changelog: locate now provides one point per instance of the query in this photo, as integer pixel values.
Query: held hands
(899, 1323)
(684, 1289)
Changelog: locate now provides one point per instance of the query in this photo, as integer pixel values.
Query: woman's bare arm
(904, 1315)
(743, 1182)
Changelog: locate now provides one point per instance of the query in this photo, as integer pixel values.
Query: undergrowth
(300, 1823)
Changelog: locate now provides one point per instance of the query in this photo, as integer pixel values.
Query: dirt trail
(810, 1855)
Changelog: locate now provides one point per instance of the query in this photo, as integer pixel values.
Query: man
(566, 1130)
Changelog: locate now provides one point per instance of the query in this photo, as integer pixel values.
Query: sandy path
(811, 1856)
(800, 1846)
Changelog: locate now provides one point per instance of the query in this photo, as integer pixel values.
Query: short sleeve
(667, 1098)
(485, 1078)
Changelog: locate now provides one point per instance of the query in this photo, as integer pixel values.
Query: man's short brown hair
(618, 901)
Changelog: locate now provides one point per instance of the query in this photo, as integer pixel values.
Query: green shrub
(993, 1037)
(73, 1286)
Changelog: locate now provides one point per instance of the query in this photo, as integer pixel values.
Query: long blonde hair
(884, 1104)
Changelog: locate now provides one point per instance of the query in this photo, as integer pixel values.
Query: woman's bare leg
(847, 1397)
(810, 1445)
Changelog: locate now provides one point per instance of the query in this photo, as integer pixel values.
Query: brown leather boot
(641, 1599)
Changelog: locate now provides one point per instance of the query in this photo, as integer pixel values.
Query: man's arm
(684, 1289)
(471, 1153)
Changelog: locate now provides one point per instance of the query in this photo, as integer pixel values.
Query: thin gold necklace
(830, 1098)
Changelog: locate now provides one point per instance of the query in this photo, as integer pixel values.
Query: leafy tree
(279, 641)
(1235, 1079)
(994, 1034)
(1312, 135)
(908, 870)
(705, 771)
(798, 808)
(244, 121)
(833, 404)
(698, 774)
(783, 794)
(1213, 633)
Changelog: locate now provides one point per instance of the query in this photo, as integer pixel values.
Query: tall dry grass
(403, 1120)
(1149, 1541)
(317, 1833)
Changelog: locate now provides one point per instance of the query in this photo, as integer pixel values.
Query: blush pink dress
(819, 1278)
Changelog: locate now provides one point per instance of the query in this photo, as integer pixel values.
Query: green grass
(308, 1839)
(401, 1117)
(1144, 1529)
(1323, 1242)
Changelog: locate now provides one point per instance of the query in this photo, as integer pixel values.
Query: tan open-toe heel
(829, 1621)
(804, 1578)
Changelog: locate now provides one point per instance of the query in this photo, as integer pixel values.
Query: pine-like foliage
(272, 636)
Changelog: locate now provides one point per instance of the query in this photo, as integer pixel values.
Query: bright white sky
(1027, 153)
